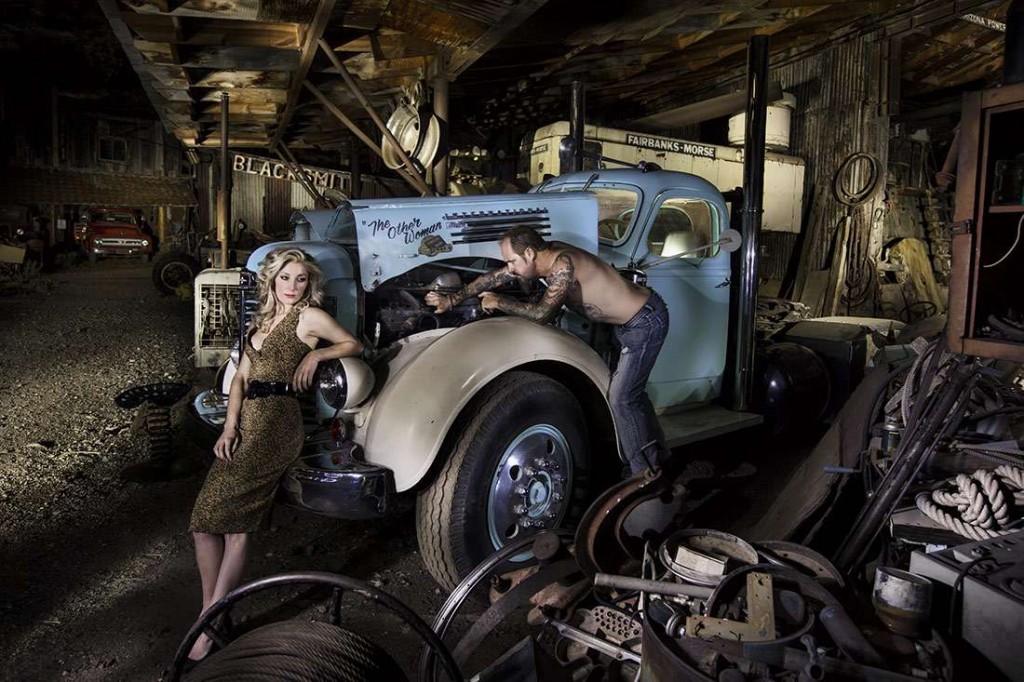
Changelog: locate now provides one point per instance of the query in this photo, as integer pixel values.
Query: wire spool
(296, 651)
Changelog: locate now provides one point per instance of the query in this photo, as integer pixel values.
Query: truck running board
(690, 426)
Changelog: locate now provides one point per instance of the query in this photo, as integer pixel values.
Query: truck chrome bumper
(204, 418)
(353, 490)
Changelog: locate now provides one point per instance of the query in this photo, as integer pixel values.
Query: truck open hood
(397, 235)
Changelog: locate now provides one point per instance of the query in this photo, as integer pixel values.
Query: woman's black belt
(262, 389)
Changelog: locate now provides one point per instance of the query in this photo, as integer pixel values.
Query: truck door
(695, 287)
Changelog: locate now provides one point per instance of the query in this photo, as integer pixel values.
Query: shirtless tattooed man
(595, 290)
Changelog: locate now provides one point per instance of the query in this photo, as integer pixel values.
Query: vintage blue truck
(499, 426)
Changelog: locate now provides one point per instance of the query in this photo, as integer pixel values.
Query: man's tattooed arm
(486, 282)
(559, 280)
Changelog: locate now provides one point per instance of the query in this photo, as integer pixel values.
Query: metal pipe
(848, 637)
(753, 197)
(577, 124)
(289, 160)
(594, 642)
(624, 582)
(224, 192)
(1013, 48)
(418, 181)
(441, 112)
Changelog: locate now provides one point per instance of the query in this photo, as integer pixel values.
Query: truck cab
(499, 426)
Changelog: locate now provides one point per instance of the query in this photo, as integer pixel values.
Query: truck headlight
(145, 242)
(345, 382)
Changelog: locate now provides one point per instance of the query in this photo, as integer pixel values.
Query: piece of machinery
(981, 585)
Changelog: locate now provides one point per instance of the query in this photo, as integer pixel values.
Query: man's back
(599, 292)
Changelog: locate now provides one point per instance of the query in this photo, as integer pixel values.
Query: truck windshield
(616, 208)
(111, 217)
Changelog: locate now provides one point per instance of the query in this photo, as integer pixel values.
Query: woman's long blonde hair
(269, 269)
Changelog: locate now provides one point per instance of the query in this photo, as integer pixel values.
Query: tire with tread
(451, 513)
(169, 270)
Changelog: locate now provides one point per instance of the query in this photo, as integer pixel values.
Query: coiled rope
(982, 502)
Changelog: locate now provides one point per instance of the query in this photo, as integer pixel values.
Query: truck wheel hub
(530, 485)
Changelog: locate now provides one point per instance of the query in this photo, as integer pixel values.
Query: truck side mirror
(729, 240)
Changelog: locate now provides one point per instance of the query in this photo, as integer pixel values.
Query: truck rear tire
(519, 465)
(172, 269)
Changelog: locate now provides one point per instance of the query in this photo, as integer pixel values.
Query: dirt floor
(97, 580)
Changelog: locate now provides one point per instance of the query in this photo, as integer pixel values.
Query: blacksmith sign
(268, 168)
(663, 144)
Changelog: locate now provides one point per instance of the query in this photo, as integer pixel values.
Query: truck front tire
(519, 465)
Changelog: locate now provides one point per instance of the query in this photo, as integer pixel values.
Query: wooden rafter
(464, 57)
(309, 49)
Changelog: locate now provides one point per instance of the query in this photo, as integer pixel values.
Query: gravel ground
(98, 580)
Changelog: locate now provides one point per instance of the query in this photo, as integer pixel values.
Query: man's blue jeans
(639, 340)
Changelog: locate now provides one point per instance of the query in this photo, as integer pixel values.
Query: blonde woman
(263, 429)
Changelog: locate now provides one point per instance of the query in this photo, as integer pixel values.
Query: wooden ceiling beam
(462, 58)
(950, 55)
(428, 21)
(162, 29)
(297, 11)
(314, 33)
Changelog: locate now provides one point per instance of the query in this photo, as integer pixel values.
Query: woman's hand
(226, 444)
(305, 373)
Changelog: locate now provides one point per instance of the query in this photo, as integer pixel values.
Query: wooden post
(55, 128)
(161, 222)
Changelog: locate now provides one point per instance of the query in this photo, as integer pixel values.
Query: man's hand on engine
(490, 301)
(441, 303)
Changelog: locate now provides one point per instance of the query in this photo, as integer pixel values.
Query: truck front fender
(415, 411)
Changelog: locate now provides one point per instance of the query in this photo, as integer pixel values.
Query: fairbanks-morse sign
(666, 145)
(268, 168)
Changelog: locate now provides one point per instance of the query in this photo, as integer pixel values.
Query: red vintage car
(114, 232)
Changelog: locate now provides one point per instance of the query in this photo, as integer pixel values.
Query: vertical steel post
(441, 111)
(1013, 48)
(753, 195)
(224, 192)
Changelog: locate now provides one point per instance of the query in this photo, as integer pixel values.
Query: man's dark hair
(521, 238)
